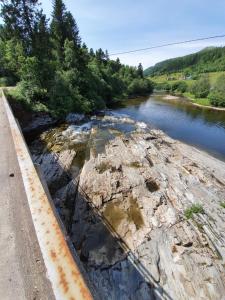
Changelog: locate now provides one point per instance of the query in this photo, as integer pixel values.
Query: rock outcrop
(131, 227)
(146, 216)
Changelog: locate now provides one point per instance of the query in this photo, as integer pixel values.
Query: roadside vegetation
(52, 68)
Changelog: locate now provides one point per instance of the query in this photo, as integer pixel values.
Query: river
(198, 126)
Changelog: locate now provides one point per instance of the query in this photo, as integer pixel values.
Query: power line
(169, 44)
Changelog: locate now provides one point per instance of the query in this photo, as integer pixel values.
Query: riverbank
(193, 101)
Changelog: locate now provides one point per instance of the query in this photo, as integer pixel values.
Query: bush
(217, 95)
(65, 96)
(162, 86)
(201, 88)
(194, 209)
(179, 86)
(140, 87)
(7, 81)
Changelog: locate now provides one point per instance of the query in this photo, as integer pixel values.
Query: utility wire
(170, 44)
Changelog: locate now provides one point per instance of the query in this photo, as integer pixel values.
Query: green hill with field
(199, 76)
(211, 59)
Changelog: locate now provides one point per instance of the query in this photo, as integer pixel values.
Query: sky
(123, 25)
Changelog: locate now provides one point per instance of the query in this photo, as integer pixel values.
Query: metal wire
(169, 44)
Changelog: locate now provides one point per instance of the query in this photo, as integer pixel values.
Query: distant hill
(211, 59)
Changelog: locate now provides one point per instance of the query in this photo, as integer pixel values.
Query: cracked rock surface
(126, 216)
(142, 246)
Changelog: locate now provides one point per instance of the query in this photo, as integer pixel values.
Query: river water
(198, 126)
(201, 127)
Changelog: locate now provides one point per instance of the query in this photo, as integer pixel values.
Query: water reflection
(201, 127)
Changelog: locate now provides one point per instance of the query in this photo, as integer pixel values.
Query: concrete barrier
(63, 272)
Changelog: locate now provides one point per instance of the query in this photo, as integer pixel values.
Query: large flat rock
(130, 225)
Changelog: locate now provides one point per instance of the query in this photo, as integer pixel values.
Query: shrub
(179, 86)
(162, 86)
(217, 95)
(140, 86)
(194, 209)
(7, 81)
(201, 88)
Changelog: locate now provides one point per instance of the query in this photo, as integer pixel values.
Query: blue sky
(122, 25)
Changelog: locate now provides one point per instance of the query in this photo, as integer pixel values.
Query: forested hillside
(208, 60)
(53, 69)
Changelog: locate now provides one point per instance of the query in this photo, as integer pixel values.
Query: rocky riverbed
(144, 212)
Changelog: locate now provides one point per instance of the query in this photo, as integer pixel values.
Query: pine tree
(19, 17)
(72, 31)
(91, 52)
(42, 48)
(63, 27)
(140, 71)
(100, 55)
(107, 55)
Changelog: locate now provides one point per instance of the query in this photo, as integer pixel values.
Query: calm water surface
(201, 127)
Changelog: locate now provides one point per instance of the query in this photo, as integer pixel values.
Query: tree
(100, 55)
(140, 71)
(217, 95)
(107, 55)
(30, 86)
(201, 87)
(72, 31)
(179, 86)
(92, 53)
(42, 49)
(63, 27)
(58, 31)
(54, 70)
(19, 17)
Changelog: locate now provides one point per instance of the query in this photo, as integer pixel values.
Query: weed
(194, 209)
(222, 204)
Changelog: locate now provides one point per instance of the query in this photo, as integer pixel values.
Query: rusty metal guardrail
(63, 272)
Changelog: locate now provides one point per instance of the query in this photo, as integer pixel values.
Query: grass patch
(201, 101)
(102, 167)
(222, 204)
(194, 209)
(135, 164)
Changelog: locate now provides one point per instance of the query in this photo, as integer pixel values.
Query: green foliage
(30, 86)
(217, 95)
(162, 86)
(139, 86)
(140, 71)
(194, 209)
(179, 86)
(63, 27)
(201, 88)
(19, 19)
(66, 97)
(172, 87)
(222, 204)
(53, 69)
(208, 60)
